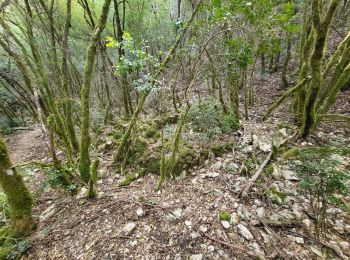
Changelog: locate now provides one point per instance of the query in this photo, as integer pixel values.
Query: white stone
(289, 175)
(211, 248)
(82, 193)
(140, 212)
(244, 232)
(234, 219)
(203, 229)
(216, 166)
(257, 202)
(261, 212)
(307, 222)
(188, 223)
(177, 257)
(128, 228)
(195, 235)
(225, 224)
(298, 240)
(344, 245)
(9, 172)
(212, 174)
(196, 257)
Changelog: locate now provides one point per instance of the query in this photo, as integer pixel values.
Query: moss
(225, 215)
(5, 251)
(220, 149)
(131, 177)
(322, 151)
(276, 196)
(150, 129)
(18, 196)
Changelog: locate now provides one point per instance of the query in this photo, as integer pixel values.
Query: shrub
(323, 177)
(208, 117)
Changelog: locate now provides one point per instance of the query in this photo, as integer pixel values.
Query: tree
(84, 157)
(18, 195)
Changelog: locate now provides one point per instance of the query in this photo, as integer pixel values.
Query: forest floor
(182, 221)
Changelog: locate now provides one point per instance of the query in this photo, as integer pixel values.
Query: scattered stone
(307, 222)
(196, 257)
(316, 250)
(247, 149)
(234, 219)
(175, 215)
(82, 193)
(283, 132)
(298, 240)
(261, 212)
(265, 147)
(203, 229)
(267, 238)
(211, 248)
(244, 232)
(129, 228)
(289, 175)
(195, 235)
(212, 174)
(334, 211)
(216, 166)
(344, 245)
(177, 257)
(257, 202)
(140, 212)
(188, 223)
(225, 224)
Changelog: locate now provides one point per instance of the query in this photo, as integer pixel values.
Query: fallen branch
(280, 224)
(325, 244)
(227, 244)
(270, 156)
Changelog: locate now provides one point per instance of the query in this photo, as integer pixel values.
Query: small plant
(13, 249)
(225, 215)
(324, 178)
(4, 206)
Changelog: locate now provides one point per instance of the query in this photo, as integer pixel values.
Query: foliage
(324, 177)
(134, 59)
(208, 117)
(57, 178)
(14, 249)
(4, 206)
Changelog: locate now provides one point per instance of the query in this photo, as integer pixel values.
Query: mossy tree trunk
(85, 161)
(65, 80)
(321, 29)
(18, 196)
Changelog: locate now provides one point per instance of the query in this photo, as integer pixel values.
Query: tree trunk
(18, 196)
(85, 161)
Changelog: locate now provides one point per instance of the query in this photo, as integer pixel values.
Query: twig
(226, 244)
(325, 244)
(280, 224)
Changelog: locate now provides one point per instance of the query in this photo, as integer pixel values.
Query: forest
(174, 129)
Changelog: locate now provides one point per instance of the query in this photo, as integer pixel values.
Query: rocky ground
(183, 220)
